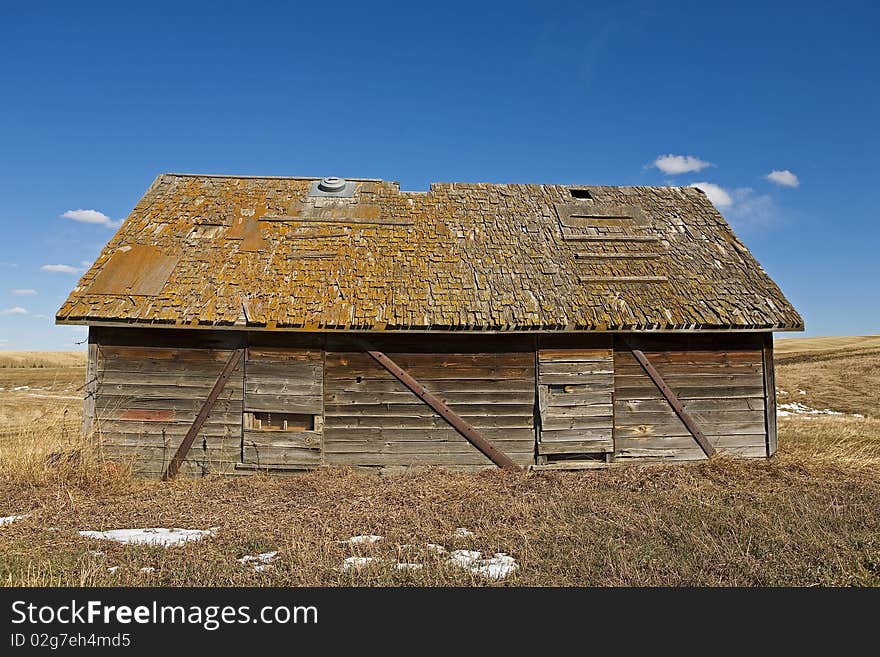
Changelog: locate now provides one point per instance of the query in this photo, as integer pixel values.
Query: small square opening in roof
(581, 194)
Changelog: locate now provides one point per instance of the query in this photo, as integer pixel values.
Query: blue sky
(98, 98)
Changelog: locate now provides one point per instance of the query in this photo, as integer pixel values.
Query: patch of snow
(780, 391)
(264, 557)
(261, 561)
(22, 388)
(147, 569)
(796, 408)
(408, 566)
(463, 532)
(801, 392)
(113, 569)
(96, 553)
(497, 567)
(355, 563)
(464, 558)
(364, 538)
(166, 537)
(7, 520)
(437, 549)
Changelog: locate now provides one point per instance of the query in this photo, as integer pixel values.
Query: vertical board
(284, 381)
(719, 381)
(770, 393)
(372, 419)
(90, 388)
(147, 398)
(575, 390)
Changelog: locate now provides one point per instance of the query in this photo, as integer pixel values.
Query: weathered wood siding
(372, 419)
(575, 389)
(718, 379)
(147, 398)
(283, 381)
(574, 400)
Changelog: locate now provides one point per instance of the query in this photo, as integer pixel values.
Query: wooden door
(575, 388)
(283, 408)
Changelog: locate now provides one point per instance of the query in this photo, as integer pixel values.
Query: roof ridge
(247, 177)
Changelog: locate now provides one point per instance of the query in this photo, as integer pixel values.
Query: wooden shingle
(462, 256)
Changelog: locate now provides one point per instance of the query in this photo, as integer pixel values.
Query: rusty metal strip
(197, 424)
(458, 423)
(673, 400)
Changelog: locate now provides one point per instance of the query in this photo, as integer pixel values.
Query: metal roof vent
(332, 186)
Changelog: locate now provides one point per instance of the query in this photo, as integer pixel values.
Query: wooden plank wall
(371, 419)
(283, 381)
(148, 397)
(575, 389)
(151, 383)
(720, 382)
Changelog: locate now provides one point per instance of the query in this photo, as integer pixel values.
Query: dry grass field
(811, 516)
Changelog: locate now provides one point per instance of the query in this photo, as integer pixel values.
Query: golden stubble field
(811, 516)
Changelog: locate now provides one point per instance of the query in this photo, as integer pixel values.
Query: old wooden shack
(241, 324)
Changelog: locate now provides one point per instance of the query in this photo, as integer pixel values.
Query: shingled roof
(261, 252)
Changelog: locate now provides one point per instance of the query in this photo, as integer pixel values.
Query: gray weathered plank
(298, 439)
(310, 405)
(770, 394)
(713, 404)
(341, 435)
(577, 446)
(689, 392)
(90, 388)
(584, 433)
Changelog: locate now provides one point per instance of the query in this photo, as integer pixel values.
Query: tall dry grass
(54, 451)
(42, 359)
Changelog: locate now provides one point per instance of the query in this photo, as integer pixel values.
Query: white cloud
(783, 177)
(63, 269)
(752, 210)
(40, 316)
(676, 164)
(91, 217)
(24, 292)
(719, 196)
(17, 310)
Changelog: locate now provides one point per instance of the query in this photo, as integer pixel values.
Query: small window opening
(283, 421)
(359, 379)
(581, 194)
(562, 388)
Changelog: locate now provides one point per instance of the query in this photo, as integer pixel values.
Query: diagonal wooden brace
(197, 424)
(674, 402)
(458, 423)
